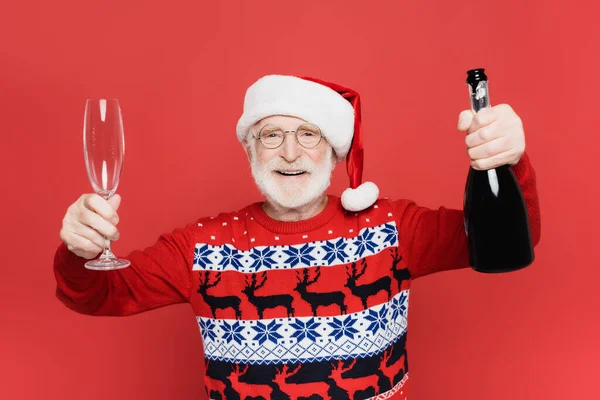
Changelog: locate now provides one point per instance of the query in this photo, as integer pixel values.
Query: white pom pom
(360, 198)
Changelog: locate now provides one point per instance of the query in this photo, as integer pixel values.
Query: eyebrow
(268, 128)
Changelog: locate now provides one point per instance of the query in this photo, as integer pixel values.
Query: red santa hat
(333, 108)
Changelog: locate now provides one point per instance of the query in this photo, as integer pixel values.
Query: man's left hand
(495, 136)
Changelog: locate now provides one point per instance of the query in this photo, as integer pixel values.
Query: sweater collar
(273, 225)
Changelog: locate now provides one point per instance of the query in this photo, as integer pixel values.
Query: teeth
(291, 173)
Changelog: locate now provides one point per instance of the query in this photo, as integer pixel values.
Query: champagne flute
(104, 150)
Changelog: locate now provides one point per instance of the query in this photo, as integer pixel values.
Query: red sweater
(291, 309)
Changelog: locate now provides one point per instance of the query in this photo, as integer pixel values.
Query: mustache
(279, 164)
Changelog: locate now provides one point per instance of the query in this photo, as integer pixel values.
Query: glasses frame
(287, 132)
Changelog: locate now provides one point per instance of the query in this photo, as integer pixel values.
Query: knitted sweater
(291, 309)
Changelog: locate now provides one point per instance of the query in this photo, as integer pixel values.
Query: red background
(180, 69)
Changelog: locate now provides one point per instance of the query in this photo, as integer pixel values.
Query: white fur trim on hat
(304, 99)
(360, 198)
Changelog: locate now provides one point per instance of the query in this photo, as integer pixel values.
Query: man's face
(290, 175)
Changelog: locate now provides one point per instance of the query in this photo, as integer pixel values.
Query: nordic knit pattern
(291, 309)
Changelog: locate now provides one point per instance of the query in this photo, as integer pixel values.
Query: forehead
(284, 121)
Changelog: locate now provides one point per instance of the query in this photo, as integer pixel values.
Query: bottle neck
(478, 91)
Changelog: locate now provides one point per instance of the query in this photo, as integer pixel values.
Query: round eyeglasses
(307, 135)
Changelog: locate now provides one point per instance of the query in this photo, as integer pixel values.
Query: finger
(115, 202)
(492, 162)
(488, 149)
(464, 120)
(95, 221)
(483, 117)
(80, 243)
(92, 234)
(101, 207)
(482, 135)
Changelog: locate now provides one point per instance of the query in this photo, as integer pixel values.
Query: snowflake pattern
(399, 306)
(207, 329)
(201, 255)
(267, 332)
(262, 258)
(335, 251)
(378, 319)
(364, 242)
(307, 329)
(231, 256)
(299, 255)
(391, 234)
(233, 331)
(342, 326)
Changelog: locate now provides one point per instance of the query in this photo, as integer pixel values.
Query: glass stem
(107, 253)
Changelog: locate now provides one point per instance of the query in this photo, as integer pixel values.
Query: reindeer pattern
(317, 299)
(366, 290)
(266, 302)
(218, 302)
(328, 380)
(297, 390)
(302, 292)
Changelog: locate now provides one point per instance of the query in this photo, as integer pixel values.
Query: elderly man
(304, 294)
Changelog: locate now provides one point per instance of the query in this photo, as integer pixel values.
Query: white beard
(292, 194)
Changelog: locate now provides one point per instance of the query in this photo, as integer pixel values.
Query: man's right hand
(87, 222)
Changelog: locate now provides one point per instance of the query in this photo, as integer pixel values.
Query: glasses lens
(271, 136)
(309, 135)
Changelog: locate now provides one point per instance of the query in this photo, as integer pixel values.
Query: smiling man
(293, 178)
(304, 294)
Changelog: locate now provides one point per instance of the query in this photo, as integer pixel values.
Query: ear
(245, 147)
(248, 141)
(336, 160)
(334, 163)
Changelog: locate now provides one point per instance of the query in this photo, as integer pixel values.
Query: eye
(271, 132)
(309, 131)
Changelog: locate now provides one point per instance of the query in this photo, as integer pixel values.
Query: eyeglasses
(307, 135)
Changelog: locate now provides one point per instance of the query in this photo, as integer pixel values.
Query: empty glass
(104, 150)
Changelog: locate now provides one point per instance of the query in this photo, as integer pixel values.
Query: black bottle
(495, 214)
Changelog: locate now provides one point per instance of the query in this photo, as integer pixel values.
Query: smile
(290, 173)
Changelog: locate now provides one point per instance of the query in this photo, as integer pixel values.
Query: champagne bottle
(495, 213)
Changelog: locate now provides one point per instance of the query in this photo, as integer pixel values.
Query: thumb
(115, 202)
(464, 120)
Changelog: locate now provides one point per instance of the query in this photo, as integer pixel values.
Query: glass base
(107, 264)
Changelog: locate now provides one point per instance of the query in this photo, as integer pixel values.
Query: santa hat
(333, 108)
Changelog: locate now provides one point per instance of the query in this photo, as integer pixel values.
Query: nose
(291, 149)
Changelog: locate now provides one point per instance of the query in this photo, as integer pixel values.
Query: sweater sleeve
(158, 276)
(435, 240)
